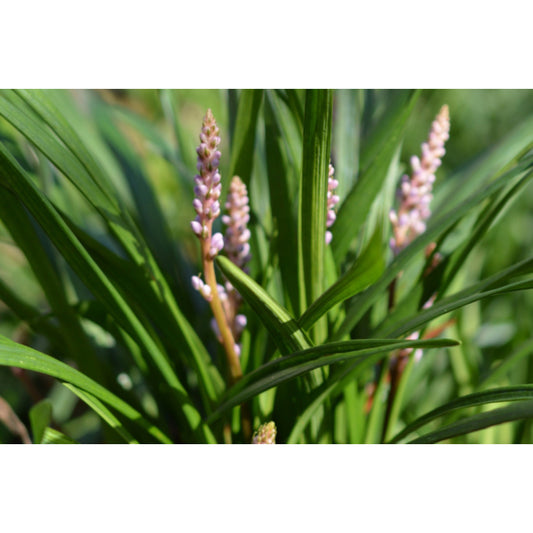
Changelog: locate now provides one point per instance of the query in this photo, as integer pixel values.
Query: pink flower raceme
(237, 232)
(208, 187)
(207, 191)
(415, 190)
(333, 200)
(207, 207)
(238, 250)
(415, 193)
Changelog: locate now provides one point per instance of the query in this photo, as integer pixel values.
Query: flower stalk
(408, 223)
(207, 207)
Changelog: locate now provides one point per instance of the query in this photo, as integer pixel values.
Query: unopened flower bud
(265, 434)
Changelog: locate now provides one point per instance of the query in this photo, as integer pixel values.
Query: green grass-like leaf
(105, 414)
(366, 269)
(313, 192)
(519, 411)
(296, 364)
(40, 417)
(242, 151)
(376, 157)
(53, 436)
(12, 176)
(17, 355)
(286, 333)
(503, 394)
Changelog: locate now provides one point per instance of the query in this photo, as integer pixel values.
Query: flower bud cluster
(265, 434)
(237, 248)
(202, 288)
(333, 200)
(237, 233)
(207, 189)
(415, 190)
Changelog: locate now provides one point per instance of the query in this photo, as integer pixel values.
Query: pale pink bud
(202, 288)
(196, 227)
(241, 321)
(197, 282)
(217, 243)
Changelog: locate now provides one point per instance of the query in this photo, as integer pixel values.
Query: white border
(214, 44)
(266, 488)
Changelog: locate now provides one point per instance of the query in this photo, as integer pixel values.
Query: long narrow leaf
(313, 191)
(503, 394)
(519, 411)
(366, 269)
(242, 152)
(286, 333)
(101, 410)
(282, 184)
(17, 355)
(296, 364)
(376, 158)
(24, 232)
(14, 177)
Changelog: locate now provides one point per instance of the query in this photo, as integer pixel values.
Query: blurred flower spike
(237, 233)
(415, 190)
(333, 200)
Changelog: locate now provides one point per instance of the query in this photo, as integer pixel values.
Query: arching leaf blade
(520, 411)
(289, 337)
(365, 270)
(17, 355)
(296, 364)
(103, 412)
(503, 394)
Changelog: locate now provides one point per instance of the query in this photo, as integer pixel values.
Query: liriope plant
(292, 288)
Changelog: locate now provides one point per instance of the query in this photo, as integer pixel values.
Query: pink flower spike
(415, 191)
(332, 201)
(237, 234)
(207, 189)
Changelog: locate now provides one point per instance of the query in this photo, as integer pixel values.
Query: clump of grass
(304, 317)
